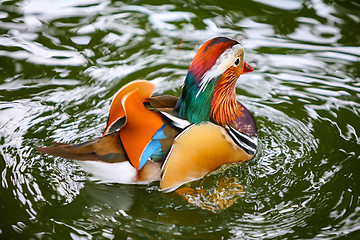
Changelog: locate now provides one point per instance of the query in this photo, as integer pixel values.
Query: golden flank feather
(198, 150)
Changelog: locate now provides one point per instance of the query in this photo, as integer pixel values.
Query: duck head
(209, 88)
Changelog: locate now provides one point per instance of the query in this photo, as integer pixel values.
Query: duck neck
(225, 109)
(194, 103)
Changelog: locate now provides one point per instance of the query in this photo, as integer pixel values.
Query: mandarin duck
(174, 140)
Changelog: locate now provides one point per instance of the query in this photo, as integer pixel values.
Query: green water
(62, 61)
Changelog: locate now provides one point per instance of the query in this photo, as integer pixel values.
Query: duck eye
(237, 61)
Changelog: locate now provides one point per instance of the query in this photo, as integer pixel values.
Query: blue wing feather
(153, 147)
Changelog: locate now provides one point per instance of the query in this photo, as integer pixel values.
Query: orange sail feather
(145, 90)
(141, 125)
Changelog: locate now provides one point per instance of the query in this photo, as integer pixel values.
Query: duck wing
(107, 149)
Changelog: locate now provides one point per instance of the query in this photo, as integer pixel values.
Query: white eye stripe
(224, 61)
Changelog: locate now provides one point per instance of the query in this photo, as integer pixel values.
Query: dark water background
(62, 61)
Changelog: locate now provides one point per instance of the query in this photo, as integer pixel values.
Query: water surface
(62, 61)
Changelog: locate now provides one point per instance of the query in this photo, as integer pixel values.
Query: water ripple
(62, 62)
